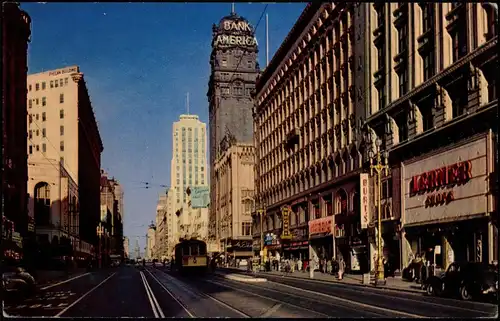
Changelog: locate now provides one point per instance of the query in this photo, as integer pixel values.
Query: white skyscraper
(189, 159)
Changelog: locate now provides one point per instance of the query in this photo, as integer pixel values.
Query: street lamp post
(380, 167)
(261, 212)
(100, 232)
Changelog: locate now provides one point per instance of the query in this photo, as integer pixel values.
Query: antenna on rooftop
(187, 102)
(267, 40)
(232, 8)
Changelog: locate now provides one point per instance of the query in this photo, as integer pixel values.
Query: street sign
(285, 213)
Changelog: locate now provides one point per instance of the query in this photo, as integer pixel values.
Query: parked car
(18, 282)
(467, 280)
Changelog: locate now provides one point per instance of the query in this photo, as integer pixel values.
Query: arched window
(42, 203)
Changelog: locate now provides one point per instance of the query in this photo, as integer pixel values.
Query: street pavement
(157, 292)
(381, 301)
(52, 300)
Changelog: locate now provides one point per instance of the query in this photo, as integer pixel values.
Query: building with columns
(412, 75)
(234, 69)
(433, 103)
(308, 145)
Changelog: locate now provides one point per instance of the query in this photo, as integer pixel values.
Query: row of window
(53, 84)
(44, 148)
(44, 116)
(44, 132)
(458, 33)
(249, 63)
(44, 101)
(236, 90)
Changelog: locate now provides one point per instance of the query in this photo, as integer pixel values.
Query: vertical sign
(64, 218)
(285, 214)
(364, 198)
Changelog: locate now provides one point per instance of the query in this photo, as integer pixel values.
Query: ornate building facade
(414, 76)
(308, 147)
(232, 81)
(433, 103)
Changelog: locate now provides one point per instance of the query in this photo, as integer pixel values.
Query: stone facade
(234, 70)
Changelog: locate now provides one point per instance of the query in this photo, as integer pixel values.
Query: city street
(155, 292)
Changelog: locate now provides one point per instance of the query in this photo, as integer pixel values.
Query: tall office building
(150, 242)
(62, 129)
(189, 161)
(234, 70)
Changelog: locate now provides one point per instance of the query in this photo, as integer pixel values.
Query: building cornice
(434, 80)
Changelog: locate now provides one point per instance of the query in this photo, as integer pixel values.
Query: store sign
(299, 234)
(439, 199)
(63, 71)
(242, 244)
(365, 200)
(458, 173)
(200, 196)
(268, 239)
(16, 238)
(285, 215)
(232, 25)
(321, 226)
(449, 185)
(232, 40)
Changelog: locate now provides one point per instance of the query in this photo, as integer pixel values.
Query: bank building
(234, 69)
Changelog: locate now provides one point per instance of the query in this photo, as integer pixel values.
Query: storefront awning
(423, 226)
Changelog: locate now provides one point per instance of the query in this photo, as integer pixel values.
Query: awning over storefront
(443, 225)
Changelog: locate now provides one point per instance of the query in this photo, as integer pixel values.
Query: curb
(413, 291)
(241, 279)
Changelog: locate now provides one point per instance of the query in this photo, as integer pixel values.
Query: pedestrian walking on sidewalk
(341, 268)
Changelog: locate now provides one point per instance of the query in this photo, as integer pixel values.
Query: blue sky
(139, 60)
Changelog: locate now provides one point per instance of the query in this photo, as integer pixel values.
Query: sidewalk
(352, 279)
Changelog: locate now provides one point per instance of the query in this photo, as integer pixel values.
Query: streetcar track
(278, 304)
(316, 299)
(243, 314)
(413, 297)
(191, 315)
(267, 298)
(157, 311)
